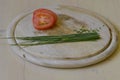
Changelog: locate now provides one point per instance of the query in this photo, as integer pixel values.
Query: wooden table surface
(13, 67)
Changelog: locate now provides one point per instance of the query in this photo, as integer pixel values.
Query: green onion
(40, 40)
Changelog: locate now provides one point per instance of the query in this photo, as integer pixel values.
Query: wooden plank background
(14, 68)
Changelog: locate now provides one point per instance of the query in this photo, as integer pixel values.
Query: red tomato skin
(46, 10)
(52, 16)
(43, 27)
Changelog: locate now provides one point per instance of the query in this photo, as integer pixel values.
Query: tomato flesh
(44, 19)
(46, 11)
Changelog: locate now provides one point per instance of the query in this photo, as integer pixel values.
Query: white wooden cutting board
(65, 55)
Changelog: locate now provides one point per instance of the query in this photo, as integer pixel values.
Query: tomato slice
(46, 11)
(44, 19)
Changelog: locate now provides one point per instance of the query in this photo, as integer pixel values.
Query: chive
(40, 40)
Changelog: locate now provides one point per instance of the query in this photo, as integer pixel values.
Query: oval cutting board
(65, 55)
